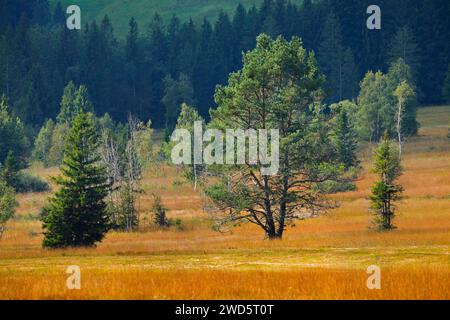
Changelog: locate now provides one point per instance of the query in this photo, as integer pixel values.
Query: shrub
(159, 213)
(331, 187)
(26, 182)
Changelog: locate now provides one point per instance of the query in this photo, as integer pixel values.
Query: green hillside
(120, 11)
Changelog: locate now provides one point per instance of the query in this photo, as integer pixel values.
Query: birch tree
(402, 93)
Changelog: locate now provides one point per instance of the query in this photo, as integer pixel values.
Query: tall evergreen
(446, 87)
(404, 46)
(386, 192)
(337, 62)
(132, 65)
(74, 101)
(59, 16)
(76, 214)
(7, 204)
(345, 136)
(176, 92)
(13, 141)
(39, 55)
(202, 82)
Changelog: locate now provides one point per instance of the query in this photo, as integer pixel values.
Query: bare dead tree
(111, 160)
(133, 175)
(125, 174)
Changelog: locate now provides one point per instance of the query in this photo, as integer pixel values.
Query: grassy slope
(320, 258)
(120, 11)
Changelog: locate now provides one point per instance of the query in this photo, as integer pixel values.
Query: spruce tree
(159, 212)
(404, 46)
(446, 87)
(385, 191)
(76, 214)
(74, 101)
(7, 204)
(12, 137)
(337, 62)
(345, 136)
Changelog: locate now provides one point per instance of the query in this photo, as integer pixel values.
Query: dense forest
(163, 63)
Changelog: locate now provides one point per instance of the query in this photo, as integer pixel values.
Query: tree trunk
(195, 178)
(271, 231)
(283, 201)
(399, 128)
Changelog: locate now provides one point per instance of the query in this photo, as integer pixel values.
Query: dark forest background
(163, 63)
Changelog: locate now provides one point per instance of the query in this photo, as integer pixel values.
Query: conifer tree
(290, 81)
(345, 136)
(386, 191)
(337, 62)
(76, 214)
(12, 137)
(74, 101)
(404, 46)
(7, 205)
(159, 212)
(446, 87)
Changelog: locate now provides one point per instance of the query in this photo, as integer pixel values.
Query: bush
(159, 213)
(25, 182)
(177, 223)
(331, 187)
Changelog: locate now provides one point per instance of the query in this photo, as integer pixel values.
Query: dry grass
(306, 283)
(325, 257)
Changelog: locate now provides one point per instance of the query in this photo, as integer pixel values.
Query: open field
(323, 258)
(121, 11)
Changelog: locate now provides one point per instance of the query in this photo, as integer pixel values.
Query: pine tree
(202, 81)
(7, 204)
(189, 43)
(59, 17)
(345, 136)
(404, 46)
(291, 82)
(12, 137)
(74, 101)
(350, 76)
(10, 169)
(176, 92)
(385, 191)
(132, 64)
(446, 87)
(76, 214)
(159, 212)
(337, 62)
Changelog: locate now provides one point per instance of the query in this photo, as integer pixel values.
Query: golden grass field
(323, 258)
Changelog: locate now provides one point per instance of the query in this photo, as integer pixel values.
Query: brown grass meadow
(322, 258)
